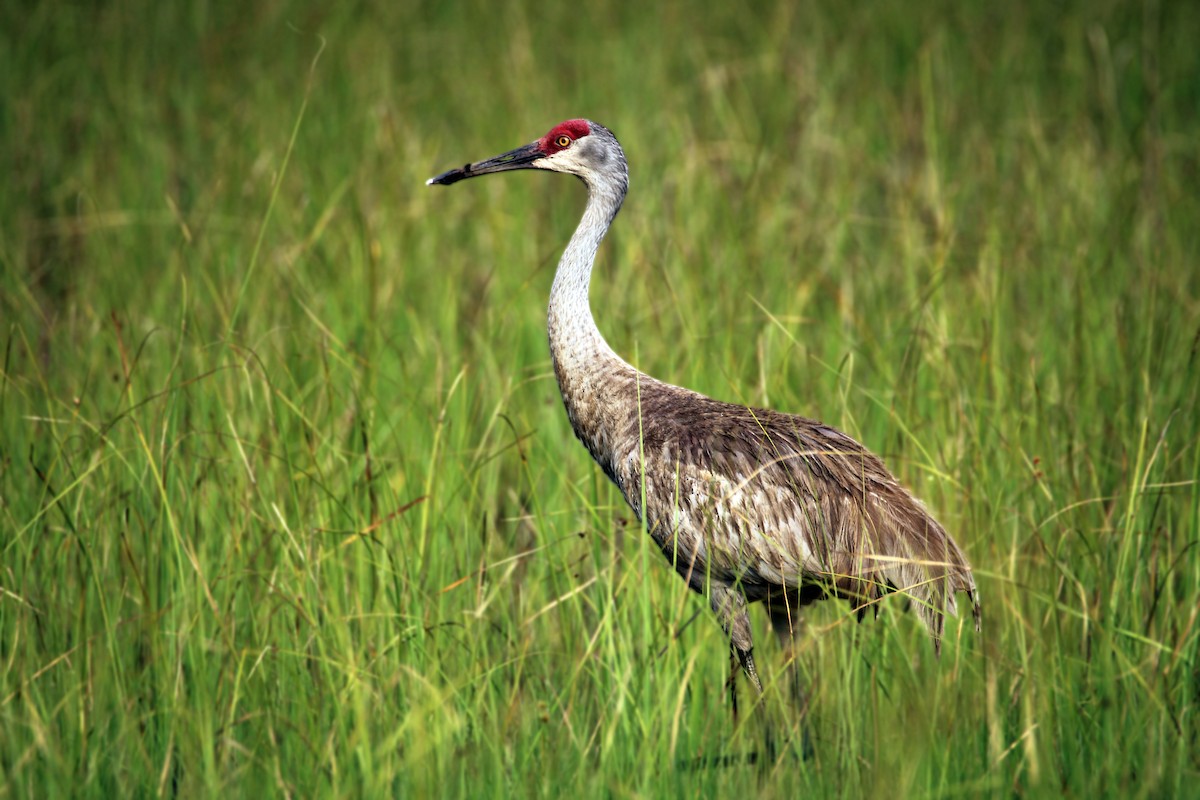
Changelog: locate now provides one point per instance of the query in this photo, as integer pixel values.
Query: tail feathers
(915, 555)
(934, 578)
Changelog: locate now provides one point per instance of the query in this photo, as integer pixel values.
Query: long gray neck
(575, 342)
(596, 384)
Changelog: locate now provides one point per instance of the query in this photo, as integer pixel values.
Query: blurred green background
(288, 502)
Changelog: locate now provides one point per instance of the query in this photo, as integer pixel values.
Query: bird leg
(730, 607)
(786, 623)
(740, 661)
(731, 683)
(746, 660)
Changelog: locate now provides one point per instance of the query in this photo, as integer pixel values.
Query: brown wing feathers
(774, 502)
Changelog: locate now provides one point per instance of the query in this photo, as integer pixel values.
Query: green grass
(288, 501)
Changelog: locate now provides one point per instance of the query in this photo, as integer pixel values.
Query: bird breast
(732, 527)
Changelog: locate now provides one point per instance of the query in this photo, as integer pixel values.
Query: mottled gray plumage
(748, 505)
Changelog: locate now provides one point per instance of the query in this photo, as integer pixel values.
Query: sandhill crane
(747, 504)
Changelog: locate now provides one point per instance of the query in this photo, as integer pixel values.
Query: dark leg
(730, 606)
(786, 622)
(746, 658)
(785, 619)
(731, 683)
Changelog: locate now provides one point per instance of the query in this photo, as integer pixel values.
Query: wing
(773, 502)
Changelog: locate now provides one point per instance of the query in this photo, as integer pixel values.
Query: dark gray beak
(520, 158)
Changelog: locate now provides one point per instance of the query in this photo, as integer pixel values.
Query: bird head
(578, 147)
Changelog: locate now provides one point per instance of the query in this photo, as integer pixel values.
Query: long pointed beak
(520, 158)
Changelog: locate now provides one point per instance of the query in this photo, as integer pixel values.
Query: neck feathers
(596, 384)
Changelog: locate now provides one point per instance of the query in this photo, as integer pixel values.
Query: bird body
(748, 505)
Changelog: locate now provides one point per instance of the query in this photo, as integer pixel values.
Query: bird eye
(563, 141)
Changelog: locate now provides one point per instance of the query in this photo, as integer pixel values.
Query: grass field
(288, 502)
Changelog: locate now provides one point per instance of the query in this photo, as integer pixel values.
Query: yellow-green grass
(288, 502)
